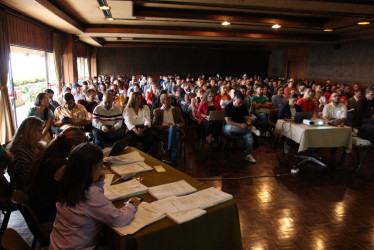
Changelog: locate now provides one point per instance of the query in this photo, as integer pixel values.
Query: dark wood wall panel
(29, 34)
(181, 61)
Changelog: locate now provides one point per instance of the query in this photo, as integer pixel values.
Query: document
(108, 179)
(124, 159)
(147, 214)
(123, 190)
(132, 168)
(106, 151)
(184, 216)
(201, 199)
(171, 189)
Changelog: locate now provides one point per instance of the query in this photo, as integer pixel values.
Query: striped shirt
(103, 117)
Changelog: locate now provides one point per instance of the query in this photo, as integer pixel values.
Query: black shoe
(169, 162)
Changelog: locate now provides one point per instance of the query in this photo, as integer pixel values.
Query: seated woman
(25, 146)
(195, 102)
(43, 181)
(289, 109)
(223, 98)
(82, 208)
(138, 121)
(42, 111)
(210, 128)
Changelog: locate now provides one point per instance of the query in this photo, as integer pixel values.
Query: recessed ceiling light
(276, 26)
(109, 18)
(104, 7)
(225, 23)
(363, 23)
(327, 30)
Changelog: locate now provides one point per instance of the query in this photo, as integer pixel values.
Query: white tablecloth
(315, 136)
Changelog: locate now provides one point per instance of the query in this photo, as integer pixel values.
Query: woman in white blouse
(138, 121)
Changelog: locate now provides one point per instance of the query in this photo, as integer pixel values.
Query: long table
(315, 136)
(219, 228)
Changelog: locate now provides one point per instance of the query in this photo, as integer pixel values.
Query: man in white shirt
(335, 111)
(168, 122)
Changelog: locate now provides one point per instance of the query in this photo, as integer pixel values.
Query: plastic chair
(11, 240)
(6, 206)
(40, 235)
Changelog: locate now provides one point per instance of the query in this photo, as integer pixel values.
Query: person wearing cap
(76, 91)
(84, 89)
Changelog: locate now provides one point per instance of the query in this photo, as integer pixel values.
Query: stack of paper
(123, 190)
(147, 214)
(201, 199)
(171, 189)
(184, 216)
(125, 158)
(136, 167)
(108, 179)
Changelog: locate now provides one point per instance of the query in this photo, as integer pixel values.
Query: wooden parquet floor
(318, 208)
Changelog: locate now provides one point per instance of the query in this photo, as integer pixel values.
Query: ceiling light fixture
(276, 26)
(104, 7)
(225, 23)
(328, 30)
(109, 18)
(363, 23)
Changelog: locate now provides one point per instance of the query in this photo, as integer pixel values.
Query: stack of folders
(124, 190)
(124, 159)
(185, 208)
(171, 189)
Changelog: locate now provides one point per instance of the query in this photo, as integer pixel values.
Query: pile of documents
(171, 189)
(124, 190)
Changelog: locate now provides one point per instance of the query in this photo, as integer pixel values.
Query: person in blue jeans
(238, 123)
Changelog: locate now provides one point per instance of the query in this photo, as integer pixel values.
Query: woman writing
(207, 105)
(45, 176)
(82, 208)
(25, 146)
(138, 121)
(42, 111)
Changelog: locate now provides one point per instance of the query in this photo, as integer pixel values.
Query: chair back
(11, 240)
(273, 116)
(21, 199)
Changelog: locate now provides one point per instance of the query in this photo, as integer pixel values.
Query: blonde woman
(25, 147)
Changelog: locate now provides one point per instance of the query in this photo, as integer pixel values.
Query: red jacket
(203, 109)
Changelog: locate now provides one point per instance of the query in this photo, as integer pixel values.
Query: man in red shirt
(306, 103)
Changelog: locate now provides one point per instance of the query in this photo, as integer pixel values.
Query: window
(82, 65)
(28, 75)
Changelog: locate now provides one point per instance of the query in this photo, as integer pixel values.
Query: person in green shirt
(262, 105)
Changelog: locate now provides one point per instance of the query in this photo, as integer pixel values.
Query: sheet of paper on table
(147, 213)
(201, 199)
(136, 167)
(184, 216)
(108, 179)
(123, 190)
(124, 159)
(106, 151)
(171, 189)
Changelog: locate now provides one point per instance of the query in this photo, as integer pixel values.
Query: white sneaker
(250, 158)
(255, 131)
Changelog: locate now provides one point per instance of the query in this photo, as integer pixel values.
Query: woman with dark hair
(43, 181)
(208, 104)
(82, 208)
(25, 146)
(42, 111)
(138, 121)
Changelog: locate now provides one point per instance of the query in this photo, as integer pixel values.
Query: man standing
(238, 123)
(70, 114)
(335, 111)
(107, 122)
(168, 121)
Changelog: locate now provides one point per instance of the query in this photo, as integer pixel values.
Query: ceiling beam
(58, 12)
(238, 17)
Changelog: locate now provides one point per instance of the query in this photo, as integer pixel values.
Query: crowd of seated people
(65, 170)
